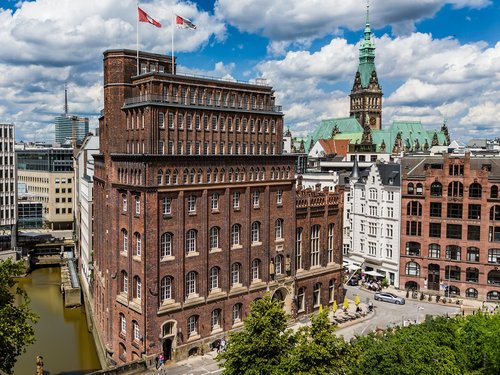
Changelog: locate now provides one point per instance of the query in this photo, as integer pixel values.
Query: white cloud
(484, 114)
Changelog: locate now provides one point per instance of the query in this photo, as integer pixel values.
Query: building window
(301, 299)
(454, 210)
(330, 244)
(298, 248)
(215, 319)
(278, 264)
(434, 229)
(138, 244)
(123, 324)
(125, 241)
(278, 229)
(414, 208)
(214, 279)
(471, 293)
(279, 197)
(435, 209)
(166, 289)
(315, 241)
(372, 194)
(456, 170)
(191, 281)
(412, 269)
(192, 204)
(235, 274)
(255, 232)
(137, 288)
(161, 119)
(215, 201)
(236, 199)
(167, 206)
(413, 249)
(475, 190)
(137, 205)
(372, 249)
(214, 238)
(410, 189)
(166, 245)
(235, 234)
(331, 290)
(255, 269)
(389, 231)
(124, 202)
(236, 314)
(494, 192)
(474, 212)
(455, 189)
(192, 326)
(413, 228)
(494, 256)
(317, 294)
(124, 283)
(388, 251)
(255, 198)
(434, 250)
(454, 231)
(472, 254)
(136, 331)
(473, 233)
(453, 252)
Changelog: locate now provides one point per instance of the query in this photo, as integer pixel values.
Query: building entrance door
(433, 277)
(167, 349)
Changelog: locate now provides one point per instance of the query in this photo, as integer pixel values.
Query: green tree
(258, 349)
(319, 351)
(16, 318)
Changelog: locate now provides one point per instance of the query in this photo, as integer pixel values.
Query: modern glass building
(71, 128)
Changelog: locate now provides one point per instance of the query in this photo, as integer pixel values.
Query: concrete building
(84, 209)
(47, 173)
(8, 186)
(195, 211)
(450, 237)
(372, 220)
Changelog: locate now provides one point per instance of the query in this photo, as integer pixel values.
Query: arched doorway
(168, 333)
(167, 349)
(433, 277)
(282, 295)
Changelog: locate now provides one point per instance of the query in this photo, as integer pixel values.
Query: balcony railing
(187, 101)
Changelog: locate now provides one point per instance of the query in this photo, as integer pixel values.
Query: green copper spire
(366, 53)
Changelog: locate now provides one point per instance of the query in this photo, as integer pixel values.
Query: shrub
(422, 296)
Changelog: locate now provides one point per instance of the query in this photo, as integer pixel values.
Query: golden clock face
(372, 120)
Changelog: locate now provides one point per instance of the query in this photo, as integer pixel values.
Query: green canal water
(62, 338)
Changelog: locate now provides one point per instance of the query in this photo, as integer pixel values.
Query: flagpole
(137, 28)
(173, 30)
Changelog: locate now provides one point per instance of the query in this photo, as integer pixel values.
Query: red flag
(184, 23)
(144, 17)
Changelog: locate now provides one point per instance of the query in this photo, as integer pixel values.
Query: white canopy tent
(374, 273)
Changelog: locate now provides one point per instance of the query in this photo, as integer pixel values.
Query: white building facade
(372, 220)
(8, 186)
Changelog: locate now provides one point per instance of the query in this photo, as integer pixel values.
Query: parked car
(353, 281)
(389, 297)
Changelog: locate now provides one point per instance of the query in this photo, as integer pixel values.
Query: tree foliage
(16, 318)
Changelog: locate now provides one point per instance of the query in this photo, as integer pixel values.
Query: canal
(62, 338)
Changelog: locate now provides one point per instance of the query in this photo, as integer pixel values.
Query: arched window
(493, 295)
(414, 208)
(192, 326)
(215, 319)
(235, 274)
(412, 269)
(166, 289)
(214, 279)
(278, 264)
(138, 244)
(167, 177)
(436, 189)
(494, 192)
(175, 177)
(471, 293)
(255, 232)
(136, 332)
(420, 189)
(191, 241)
(453, 252)
(495, 212)
(453, 291)
(411, 189)
(214, 238)
(214, 201)
(237, 313)
(125, 241)
(278, 229)
(160, 177)
(166, 245)
(137, 288)
(413, 248)
(472, 254)
(124, 282)
(317, 294)
(255, 269)
(235, 235)
(455, 189)
(475, 190)
(191, 284)
(301, 301)
(494, 277)
(123, 324)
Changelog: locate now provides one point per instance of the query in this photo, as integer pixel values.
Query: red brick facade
(450, 225)
(194, 210)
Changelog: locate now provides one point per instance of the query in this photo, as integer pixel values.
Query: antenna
(66, 99)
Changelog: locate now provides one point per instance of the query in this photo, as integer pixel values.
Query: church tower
(366, 94)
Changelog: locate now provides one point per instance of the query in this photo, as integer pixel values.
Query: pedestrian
(162, 360)
(223, 344)
(157, 361)
(370, 306)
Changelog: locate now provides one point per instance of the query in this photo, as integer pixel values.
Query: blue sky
(435, 59)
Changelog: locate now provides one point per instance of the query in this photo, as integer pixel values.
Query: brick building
(450, 233)
(194, 209)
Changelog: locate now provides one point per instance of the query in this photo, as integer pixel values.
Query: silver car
(389, 297)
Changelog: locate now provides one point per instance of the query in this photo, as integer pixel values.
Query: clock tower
(366, 93)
